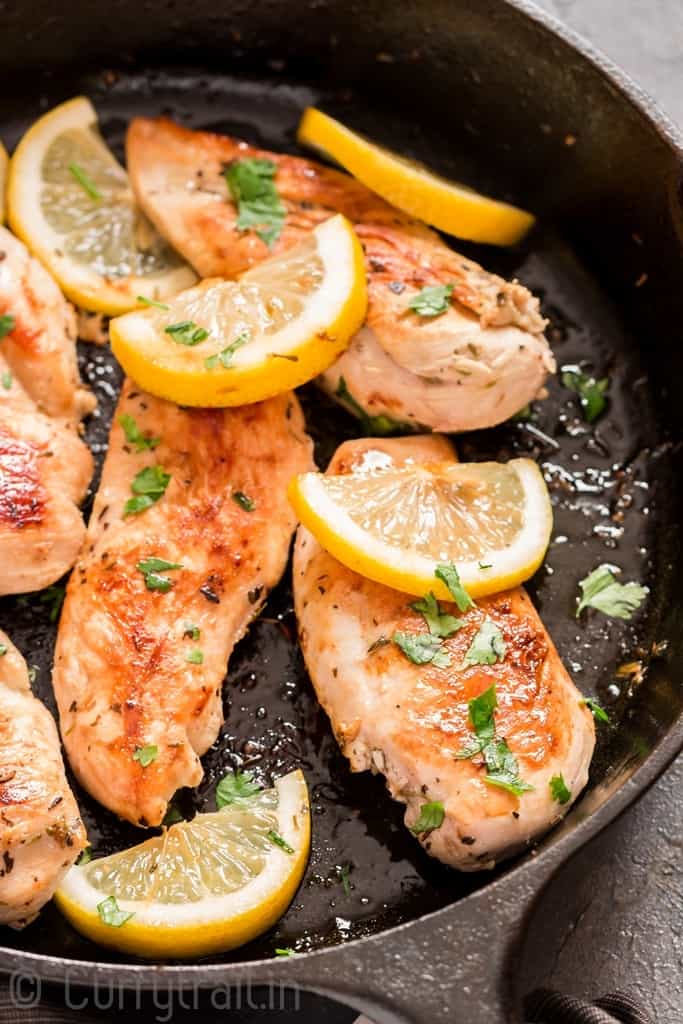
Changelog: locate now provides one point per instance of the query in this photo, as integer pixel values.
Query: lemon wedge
(70, 201)
(203, 886)
(236, 342)
(397, 525)
(413, 188)
(4, 160)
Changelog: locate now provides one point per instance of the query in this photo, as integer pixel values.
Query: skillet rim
(521, 876)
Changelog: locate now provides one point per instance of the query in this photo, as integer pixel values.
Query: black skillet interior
(530, 130)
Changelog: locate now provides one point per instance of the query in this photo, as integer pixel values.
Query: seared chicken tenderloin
(41, 832)
(45, 468)
(411, 722)
(471, 367)
(142, 650)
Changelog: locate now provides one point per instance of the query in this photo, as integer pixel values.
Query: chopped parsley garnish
(146, 755)
(422, 649)
(238, 786)
(439, 623)
(344, 877)
(151, 569)
(486, 565)
(85, 857)
(259, 208)
(191, 631)
(224, 357)
(54, 596)
(502, 769)
(449, 575)
(373, 426)
(134, 436)
(487, 647)
(6, 380)
(7, 324)
(172, 816)
(148, 486)
(603, 591)
(195, 656)
(523, 414)
(559, 790)
(85, 181)
(276, 838)
(111, 914)
(3, 649)
(241, 499)
(598, 712)
(284, 951)
(591, 392)
(186, 332)
(431, 817)
(432, 301)
(152, 302)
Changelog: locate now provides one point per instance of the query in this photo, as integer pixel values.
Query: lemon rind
(448, 206)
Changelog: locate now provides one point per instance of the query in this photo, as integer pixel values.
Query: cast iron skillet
(497, 94)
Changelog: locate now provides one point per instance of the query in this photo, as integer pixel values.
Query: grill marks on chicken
(44, 466)
(41, 833)
(131, 678)
(471, 367)
(410, 722)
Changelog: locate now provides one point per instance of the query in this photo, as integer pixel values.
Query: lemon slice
(491, 520)
(4, 159)
(413, 188)
(203, 886)
(236, 342)
(70, 201)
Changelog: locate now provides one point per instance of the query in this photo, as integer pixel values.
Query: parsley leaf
(344, 877)
(54, 596)
(276, 838)
(231, 788)
(422, 649)
(559, 790)
(3, 649)
(146, 755)
(431, 817)
(148, 486)
(191, 631)
(284, 951)
(85, 181)
(502, 769)
(134, 435)
(373, 426)
(151, 569)
(602, 590)
(151, 302)
(186, 332)
(6, 380)
(432, 301)
(7, 324)
(172, 816)
(449, 575)
(252, 187)
(241, 499)
(85, 857)
(111, 914)
(599, 713)
(195, 656)
(591, 392)
(439, 623)
(487, 647)
(224, 357)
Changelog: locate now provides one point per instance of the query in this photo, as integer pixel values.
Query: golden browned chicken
(411, 722)
(45, 468)
(41, 832)
(190, 529)
(473, 366)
